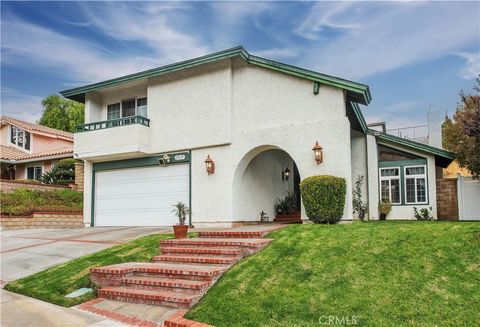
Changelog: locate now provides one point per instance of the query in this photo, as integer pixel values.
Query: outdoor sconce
(317, 150)
(285, 174)
(210, 165)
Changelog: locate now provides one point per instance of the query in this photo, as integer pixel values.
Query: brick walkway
(180, 276)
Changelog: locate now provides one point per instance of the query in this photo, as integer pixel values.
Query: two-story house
(228, 134)
(28, 150)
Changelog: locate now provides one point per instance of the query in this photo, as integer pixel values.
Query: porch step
(232, 234)
(216, 242)
(169, 284)
(204, 251)
(217, 260)
(152, 297)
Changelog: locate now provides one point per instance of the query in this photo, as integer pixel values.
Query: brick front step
(196, 259)
(154, 297)
(172, 285)
(204, 251)
(113, 275)
(177, 320)
(216, 242)
(228, 234)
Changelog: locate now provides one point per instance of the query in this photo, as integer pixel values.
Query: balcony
(113, 139)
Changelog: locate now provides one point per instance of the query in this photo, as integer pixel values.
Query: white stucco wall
(359, 161)
(372, 179)
(234, 112)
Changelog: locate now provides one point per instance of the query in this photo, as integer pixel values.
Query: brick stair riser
(201, 251)
(196, 260)
(147, 301)
(108, 280)
(179, 290)
(231, 234)
(207, 243)
(178, 276)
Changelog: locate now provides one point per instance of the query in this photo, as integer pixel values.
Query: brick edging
(120, 317)
(177, 320)
(52, 213)
(33, 183)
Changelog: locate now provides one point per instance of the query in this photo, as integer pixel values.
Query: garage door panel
(140, 196)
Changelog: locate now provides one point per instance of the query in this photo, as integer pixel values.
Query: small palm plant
(181, 211)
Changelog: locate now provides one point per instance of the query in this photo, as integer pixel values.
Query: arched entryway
(264, 175)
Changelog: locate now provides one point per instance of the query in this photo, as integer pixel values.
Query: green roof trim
(356, 92)
(442, 157)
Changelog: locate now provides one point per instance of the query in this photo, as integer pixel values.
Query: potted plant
(286, 206)
(384, 208)
(181, 211)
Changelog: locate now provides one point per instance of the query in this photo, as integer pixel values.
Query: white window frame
(24, 138)
(419, 176)
(34, 166)
(389, 178)
(127, 99)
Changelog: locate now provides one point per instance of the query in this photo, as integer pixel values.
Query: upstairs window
(127, 108)
(20, 138)
(415, 184)
(390, 185)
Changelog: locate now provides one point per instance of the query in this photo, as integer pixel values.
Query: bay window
(390, 185)
(415, 179)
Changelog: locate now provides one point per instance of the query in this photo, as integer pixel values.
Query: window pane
(410, 187)
(421, 190)
(415, 170)
(389, 172)
(395, 185)
(38, 173)
(31, 173)
(128, 108)
(113, 111)
(385, 191)
(142, 107)
(20, 136)
(13, 135)
(27, 140)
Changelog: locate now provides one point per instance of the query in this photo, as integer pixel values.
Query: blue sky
(413, 55)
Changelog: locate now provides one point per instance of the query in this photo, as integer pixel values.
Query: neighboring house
(28, 150)
(149, 138)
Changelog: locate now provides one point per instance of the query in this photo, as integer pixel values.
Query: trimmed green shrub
(324, 198)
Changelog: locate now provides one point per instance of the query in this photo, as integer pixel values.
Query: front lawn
(53, 284)
(374, 274)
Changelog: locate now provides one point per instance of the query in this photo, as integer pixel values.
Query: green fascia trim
(359, 115)
(175, 158)
(357, 92)
(447, 155)
(413, 162)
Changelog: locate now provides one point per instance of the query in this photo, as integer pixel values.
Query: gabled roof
(10, 154)
(442, 157)
(355, 92)
(36, 129)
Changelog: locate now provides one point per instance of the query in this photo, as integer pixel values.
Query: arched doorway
(264, 176)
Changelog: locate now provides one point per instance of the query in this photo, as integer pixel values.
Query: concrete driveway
(25, 252)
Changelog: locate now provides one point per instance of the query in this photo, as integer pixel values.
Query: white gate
(468, 191)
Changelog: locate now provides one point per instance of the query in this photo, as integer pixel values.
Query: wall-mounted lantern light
(285, 174)
(317, 150)
(210, 165)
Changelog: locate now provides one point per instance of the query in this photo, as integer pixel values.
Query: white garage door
(140, 196)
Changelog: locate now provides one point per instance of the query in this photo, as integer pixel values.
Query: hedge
(324, 198)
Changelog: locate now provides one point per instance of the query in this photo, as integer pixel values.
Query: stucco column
(372, 179)
(87, 194)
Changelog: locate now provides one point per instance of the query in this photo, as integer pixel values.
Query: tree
(61, 113)
(462, 134)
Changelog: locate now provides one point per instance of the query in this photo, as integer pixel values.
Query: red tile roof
(11, 154)
(4, 120)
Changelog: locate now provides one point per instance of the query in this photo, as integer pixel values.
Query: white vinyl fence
(468, 191)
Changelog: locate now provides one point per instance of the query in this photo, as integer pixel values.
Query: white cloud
(471, 68)
(278, 53)
(392, 35)
(21, 106)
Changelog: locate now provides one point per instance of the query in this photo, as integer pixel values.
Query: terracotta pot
(180, 231)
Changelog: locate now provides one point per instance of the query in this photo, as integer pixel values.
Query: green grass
(53, 284)
(378, 273)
